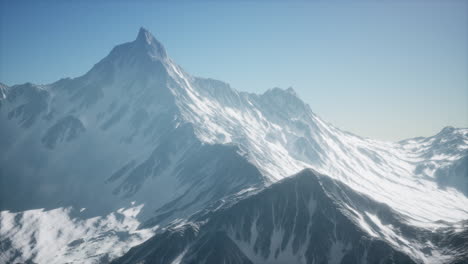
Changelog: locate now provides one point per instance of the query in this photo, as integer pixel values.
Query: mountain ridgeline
(306, 218)
(138, 161)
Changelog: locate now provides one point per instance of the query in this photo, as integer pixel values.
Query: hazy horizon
(386, 70)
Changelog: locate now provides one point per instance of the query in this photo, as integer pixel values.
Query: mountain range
(138, 161)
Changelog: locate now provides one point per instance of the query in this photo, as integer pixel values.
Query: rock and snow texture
(111, 137)
(54, 236)
(307, 218)
(137, 130)
(282, 136)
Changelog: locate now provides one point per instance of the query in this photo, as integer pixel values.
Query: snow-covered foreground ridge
(305, 218)
(56, 237)
(138, 130)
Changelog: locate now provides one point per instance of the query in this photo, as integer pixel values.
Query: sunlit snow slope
(137, 130)
(306, 218)
(426, 178)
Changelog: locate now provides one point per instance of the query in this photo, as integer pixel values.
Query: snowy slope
(138, 131)
(307, 218)
(61, 236)
(111, 139)
(282, 136)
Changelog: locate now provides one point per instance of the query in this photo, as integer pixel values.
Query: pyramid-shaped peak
(146, 40)
(144, 36)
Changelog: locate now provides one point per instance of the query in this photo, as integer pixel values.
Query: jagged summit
(278, 90)
(145, 56)
(144, 35)
(153, 47)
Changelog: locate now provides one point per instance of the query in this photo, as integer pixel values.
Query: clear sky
(381, 69)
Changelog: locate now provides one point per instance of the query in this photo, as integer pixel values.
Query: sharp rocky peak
(143, 47)
(135, 56)
(150, 44)
(286, 99)
(279, 91)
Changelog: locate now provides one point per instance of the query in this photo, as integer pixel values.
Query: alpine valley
(137, 161)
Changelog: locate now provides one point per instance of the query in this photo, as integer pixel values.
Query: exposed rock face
(308, 218)
(66, 129)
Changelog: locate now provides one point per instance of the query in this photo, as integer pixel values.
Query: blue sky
(381, 69)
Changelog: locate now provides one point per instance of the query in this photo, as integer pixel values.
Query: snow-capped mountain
(306, 218)
(113, 136)
(112, 139)
(138, 134)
